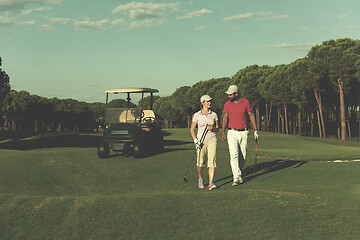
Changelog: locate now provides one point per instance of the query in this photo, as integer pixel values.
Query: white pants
(237, 142)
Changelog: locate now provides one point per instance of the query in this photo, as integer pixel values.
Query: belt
(237, 129)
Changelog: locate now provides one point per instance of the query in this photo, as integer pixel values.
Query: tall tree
(276, 90)
(163, 107)
(340, 58)
(4, 84)
(263, 83)
(318, 80)
(300, 88)
(145, 103)
(120, 103)
(181, 104)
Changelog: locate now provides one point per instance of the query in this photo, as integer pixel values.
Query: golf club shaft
(187, 170)
(204, 134)
(256, 151)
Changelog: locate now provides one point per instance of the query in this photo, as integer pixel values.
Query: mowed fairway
(55, 187)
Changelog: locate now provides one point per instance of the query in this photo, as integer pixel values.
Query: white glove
(197, 143)
(256, 135)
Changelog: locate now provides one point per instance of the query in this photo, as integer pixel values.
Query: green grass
(55, 187)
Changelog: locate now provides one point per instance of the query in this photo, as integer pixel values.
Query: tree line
(24, 112)
(318, 95)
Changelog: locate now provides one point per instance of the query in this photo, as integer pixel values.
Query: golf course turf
(54, 186)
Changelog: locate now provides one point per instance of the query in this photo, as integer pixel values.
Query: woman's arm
(192, 130)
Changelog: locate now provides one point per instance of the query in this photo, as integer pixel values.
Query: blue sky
(79, 48)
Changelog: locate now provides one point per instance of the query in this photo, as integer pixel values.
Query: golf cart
(131, 130)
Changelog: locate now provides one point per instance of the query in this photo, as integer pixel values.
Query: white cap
(232, 89)
(205, 98)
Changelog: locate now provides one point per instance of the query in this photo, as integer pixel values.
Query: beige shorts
(209, 150)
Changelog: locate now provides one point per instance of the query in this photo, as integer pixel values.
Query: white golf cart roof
(132, 90)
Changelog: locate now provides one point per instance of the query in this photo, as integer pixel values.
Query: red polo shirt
(237, 113)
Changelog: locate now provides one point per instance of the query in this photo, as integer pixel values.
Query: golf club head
(185, 179)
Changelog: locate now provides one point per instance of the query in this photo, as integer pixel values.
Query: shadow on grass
(51, 141)
(170, 143)
(166, 133)
(175, 142)
(30, 142)
(254, 171)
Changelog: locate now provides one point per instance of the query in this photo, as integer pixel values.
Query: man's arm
(224, 125)
(252, 120)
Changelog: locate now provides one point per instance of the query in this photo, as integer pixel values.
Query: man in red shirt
(235, 118)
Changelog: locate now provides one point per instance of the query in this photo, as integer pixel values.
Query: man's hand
(256, 134)
(224, 126)
(223, 137)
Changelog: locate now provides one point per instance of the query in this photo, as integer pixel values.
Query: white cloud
(60, 20)
(239, 17)
(89, 25)
(281, 45)
(55, 2)
(14, 5)
(145, 10)
(25, 23)
(343, 16)
(145, 23)
(273, 16)
(200, 28)
(7, 21)
(124, 25)
(29, 11)
(198, 13)
(46, 27)
(292, 46)
(119, 22)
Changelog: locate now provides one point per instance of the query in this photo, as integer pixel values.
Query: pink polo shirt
(237, 113)
(202, 120)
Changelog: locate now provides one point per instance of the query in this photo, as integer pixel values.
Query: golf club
(185, 179)
(200, 146)
(255, 151)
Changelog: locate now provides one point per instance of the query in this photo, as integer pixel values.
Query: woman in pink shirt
(205, 119)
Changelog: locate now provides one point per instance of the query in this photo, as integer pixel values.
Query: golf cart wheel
(103, 150)
(138, 150)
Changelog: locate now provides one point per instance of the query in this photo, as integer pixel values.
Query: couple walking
(235, 114)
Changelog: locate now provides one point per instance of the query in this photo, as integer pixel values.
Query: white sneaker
(237, 182)
(212, 186)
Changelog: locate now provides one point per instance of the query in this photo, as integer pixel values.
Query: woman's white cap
(205, 98)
